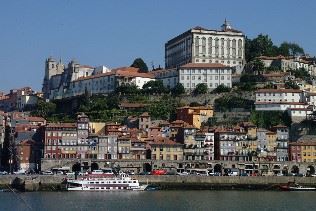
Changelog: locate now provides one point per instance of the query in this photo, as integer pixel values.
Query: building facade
(200, 45)
(213, 75)
(75, 79)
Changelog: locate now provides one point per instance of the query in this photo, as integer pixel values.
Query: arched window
(228, 47)
(197, 42)
(210, 46)
(234, 48)
(216, 47)
(239, 48)
(204, 45)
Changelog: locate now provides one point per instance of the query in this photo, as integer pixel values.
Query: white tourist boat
(105, 183)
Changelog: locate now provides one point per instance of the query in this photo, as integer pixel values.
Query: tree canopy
(268, 119)
(200, 89)
(154, 87)
(262, 45)
(44, 109)
(221, 88)
(178, 90)
(139, 63)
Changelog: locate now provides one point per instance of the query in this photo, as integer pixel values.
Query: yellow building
(271, 140)
(308, 152)
(97, 127)
(195, 115)
(303, 151)
(166, 149)
(123, 148)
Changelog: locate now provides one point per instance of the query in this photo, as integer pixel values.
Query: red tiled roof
(145, 114)
(35, 119)
(283, 102)
(122, 71)
(164, 141)
(133, 105)
(279, 91)
(203, 65)
(64, 125)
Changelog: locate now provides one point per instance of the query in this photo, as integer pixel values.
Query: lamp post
(10, 163)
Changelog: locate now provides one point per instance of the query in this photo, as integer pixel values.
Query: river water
(159, 200)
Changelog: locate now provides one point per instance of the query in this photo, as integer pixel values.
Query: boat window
(124, 181)
(134, 181)
(96, 182)
(114, 181)
(102, 188)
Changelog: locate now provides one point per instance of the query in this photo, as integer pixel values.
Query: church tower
(52, 67)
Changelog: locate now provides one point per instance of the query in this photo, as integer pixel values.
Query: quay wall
(223, 182)
(164, 182)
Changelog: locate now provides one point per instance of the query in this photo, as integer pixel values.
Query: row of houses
(298, 103)
(34, 139)
(290, 63)
(19, 99)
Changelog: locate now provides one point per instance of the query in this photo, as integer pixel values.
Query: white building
(76, 79)
(200, 45)
(213, 75)
(169, 77)
(290, 63)
(291, 100)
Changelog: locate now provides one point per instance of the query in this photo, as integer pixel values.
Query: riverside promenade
(164, 182)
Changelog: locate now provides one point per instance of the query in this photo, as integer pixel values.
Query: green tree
(128, 89)
(178, 90)
(154, 87)
(262, 45)
(200, 89)
(290, 49)
(257, 66)
(221, 88)
(139, 63)
(44, 109)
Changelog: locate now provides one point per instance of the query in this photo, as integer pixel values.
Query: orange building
(195, 115)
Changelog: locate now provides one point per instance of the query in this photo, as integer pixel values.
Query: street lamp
(10, 162)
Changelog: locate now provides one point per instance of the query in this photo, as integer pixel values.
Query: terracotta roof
(304, 143)
(279, 91)
(203, 65)
(283, 102)
(301, 109)
(280, 126)
(122, 71)
(145, 114)
(64, 125)
(271, 57)
(164, 141)
(133, 105)
(35, 119)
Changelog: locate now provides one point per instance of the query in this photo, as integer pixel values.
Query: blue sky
(115, 32)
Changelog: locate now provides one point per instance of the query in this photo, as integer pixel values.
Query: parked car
(244, 174)
(20, 172)
(145, 173)
(3, 173)
(269, 173)
(47, 173)
(182, 173)
(215, 174)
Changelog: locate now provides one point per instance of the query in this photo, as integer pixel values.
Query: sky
(115, 32)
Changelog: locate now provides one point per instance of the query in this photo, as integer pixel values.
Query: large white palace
(200, 45)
